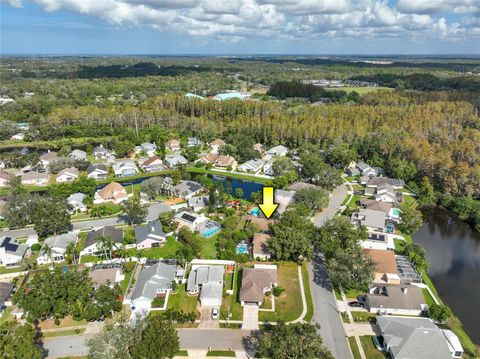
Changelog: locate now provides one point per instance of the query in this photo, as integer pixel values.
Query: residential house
(208, 281)
(108, 276)
(78, 155)
(101, 153)
(34, 178)
(376, 182)
(94, 247)
(297, 186)
(11, 252)
(284, 199)
(253, 166)
(67, 175)
(149, 235)
(381, 241)
(231, 96)
(198, 203)
(5, 178)
(6, 290)
(384, 193)
(373, 220)
(386, 270)
(190, 220)
(222, 162)
(259, 148)
(215, 145)
(173, 145)
(268, 168)
(186, 189)
(195, 96)
(194, 142)
(113, 192)
(256, 282)
(417, 338)
(18, 137)
(366, 170)
(151, 164)
(97, 171)
(58, 246)
(148, 148)
(47, 158)
(353, 171)
(278, 151)
(260, 246)
(125, 169)
(152, 282)
(399, 299)
(175, 159)
(75, 200)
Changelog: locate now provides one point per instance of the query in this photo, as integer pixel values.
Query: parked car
(355, 304)
(215, 313)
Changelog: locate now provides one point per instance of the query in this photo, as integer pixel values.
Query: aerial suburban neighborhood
(239, 179)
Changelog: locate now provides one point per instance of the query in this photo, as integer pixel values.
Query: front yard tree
(134, 211)
(319, 172)
(313, 198)
(291, 237)
(351, 269)
(158, 340)
(411, 219)
(299, 340)
(19, 341)
(50, 215)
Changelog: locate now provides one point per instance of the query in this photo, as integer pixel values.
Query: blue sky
(240, 27)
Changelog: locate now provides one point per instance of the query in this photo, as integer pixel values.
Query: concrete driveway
(250, 317)
(206, 321)
(338, 196)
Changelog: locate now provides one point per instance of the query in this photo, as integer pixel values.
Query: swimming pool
(255, 212)
(395, 212)
(242, 248)
(210, 228)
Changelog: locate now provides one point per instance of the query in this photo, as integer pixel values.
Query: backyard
(182, 301)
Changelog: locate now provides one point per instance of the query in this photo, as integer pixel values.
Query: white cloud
(238, 20)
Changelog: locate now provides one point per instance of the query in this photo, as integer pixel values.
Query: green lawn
(363, 317)
(428, 297)
(353, 293)
(371, 351)
(5, 270)
(209, 247)
(182, 301)
(6, 315)
(230, 303)
(166, 251)
(62, 333)
(308, 293)
(221, 353)
(288, 306)
(354, 347)
(125, 281)
(182, 353)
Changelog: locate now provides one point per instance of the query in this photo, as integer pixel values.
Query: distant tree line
(287, 89)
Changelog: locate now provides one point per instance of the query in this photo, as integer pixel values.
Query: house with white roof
(198, 203)
(58, 246)
(75, 200)
(11, 252)
(151, 164)
(190, 220)
(193, 142)
(67, 175)
(215, 145)
(47, 158)
(78, 155)
(278, 151)
(148, 148)
(208, 281)
(125, 169)
(252, 166)
(18, 137)
(175, 159)
(186, 189)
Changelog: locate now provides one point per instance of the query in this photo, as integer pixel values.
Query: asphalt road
(154, 211)
(338, 196)
(326, 314)
(75, 345)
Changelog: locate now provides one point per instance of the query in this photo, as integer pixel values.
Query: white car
(215, 313)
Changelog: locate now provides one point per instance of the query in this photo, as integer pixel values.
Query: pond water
(453, 250)
(248, 187)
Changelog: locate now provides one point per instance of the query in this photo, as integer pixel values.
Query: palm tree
(47, 250)
(72, 252)
(106, 245)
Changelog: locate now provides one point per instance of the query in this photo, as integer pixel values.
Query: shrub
(158, 302)
(36, 247)
(277, 291)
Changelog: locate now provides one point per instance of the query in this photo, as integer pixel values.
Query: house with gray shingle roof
(153, 281)
(416, 338)
(11, 252)
(58, 245)
(149, 235)
(208, 280)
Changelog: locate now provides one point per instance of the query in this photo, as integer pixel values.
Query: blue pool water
(255, 212)
(396, 212)
(242, 248)
(210, 229)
